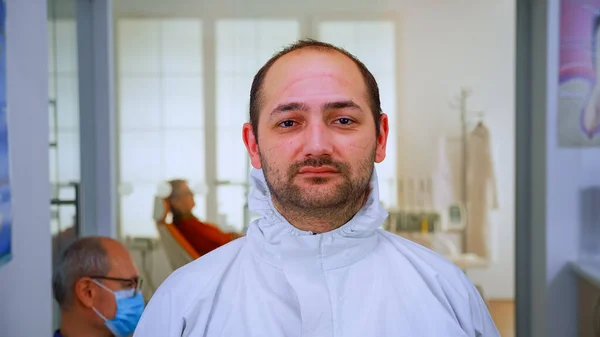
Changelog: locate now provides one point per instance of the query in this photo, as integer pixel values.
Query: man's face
(184, 201)
(122, 276)
(317, 142)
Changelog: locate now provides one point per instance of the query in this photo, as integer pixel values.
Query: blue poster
(5, 204)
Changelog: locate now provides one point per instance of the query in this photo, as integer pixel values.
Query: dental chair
(178, 250)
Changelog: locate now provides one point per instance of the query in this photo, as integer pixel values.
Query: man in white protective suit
(316, 263)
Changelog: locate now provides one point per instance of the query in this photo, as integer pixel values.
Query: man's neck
(74, 326)
(320, 220)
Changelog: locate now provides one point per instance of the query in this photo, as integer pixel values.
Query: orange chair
(178, 250)
(182, 241)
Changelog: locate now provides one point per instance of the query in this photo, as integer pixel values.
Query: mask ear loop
(94, 308)
(100, 314)
(103, 286)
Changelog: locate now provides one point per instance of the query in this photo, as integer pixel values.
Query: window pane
(272, 36)
(184, 154)
(231, 206)
(183, 102)
(161, 113)
(67, 102)
(52, 120)
(141, 157)
(236, 46)
(138, 46)
(200, 209)
(63, 109)
(66, 46)
(376, 43)
(137, 210)
(68, 156)
(51, 87)
(342, 34)
(139, 103)
(233, 99)
(373, 42)
(53, 165)
(231, 156)
(181, 45)
(66, 213)
(51, 48)
(54, 222)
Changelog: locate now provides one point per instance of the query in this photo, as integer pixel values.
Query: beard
(320, 194)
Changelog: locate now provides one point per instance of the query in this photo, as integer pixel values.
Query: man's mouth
(318, 170)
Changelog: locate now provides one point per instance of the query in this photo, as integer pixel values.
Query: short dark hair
(256, 89)
(84, 257)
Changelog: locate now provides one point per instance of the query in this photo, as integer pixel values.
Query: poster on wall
(5, 195)
(579, 74)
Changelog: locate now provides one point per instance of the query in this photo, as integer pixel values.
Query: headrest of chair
(163, 190)
(159, 209)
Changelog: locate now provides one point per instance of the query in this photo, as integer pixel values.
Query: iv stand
(464, 123)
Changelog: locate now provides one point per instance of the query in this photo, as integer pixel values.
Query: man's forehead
(321, 67)
(123, 268)
(304, 63)
(120, 260)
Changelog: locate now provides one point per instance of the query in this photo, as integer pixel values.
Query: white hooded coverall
(355, 281)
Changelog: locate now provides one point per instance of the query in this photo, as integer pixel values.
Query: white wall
(444, 45)
(447, 45)
(25, 283)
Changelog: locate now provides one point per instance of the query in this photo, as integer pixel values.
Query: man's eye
(344, 121)
(287, 124)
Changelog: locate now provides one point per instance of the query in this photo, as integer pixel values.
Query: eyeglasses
(134, 283)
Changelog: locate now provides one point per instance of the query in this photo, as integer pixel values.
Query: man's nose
(318, 140)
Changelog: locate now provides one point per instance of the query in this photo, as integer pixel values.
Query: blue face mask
(130, 307)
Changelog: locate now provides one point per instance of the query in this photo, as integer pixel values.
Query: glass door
(63, 107)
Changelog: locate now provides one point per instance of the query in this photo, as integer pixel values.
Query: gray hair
(84, 257)
(176, 185)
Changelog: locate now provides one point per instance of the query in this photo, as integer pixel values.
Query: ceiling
(252, 8)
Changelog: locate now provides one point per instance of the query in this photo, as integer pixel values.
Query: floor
(503, 313)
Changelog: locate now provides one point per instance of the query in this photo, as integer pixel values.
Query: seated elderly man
(97, 286)
(204, 237)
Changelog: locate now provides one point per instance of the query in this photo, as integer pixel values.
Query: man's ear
(382, 138)
(85, 292)
(251, 143)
